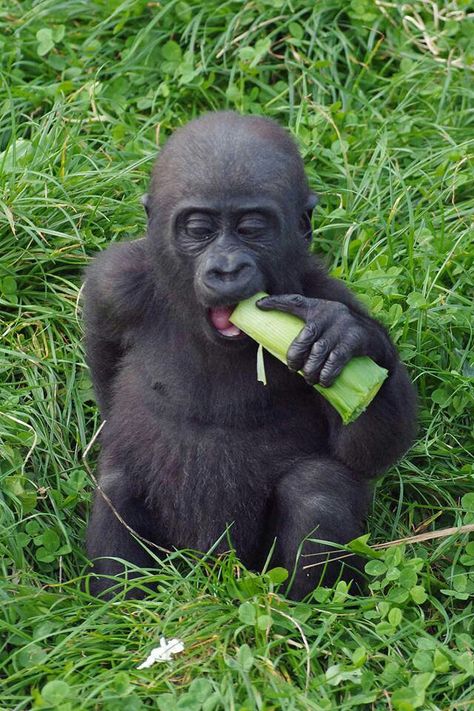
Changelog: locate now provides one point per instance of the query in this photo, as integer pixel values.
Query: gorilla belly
(201, 480)
(209, 480)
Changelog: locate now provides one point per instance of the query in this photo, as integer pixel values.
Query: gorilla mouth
(220, 320)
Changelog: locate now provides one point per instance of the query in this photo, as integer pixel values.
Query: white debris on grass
(163, 653)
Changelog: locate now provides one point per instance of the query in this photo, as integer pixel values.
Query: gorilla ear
(145, 201)
(311, 202)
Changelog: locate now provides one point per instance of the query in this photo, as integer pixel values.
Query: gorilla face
(229, 247)
(229, 208)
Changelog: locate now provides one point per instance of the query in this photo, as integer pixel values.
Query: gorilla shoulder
(119, 282)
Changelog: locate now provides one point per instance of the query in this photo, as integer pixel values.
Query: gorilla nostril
(220, 274)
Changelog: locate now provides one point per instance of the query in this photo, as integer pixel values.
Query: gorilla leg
(319, 499)
(108, 538)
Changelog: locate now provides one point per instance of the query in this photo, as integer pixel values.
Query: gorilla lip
(220, 319)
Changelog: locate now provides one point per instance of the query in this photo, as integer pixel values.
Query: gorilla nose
(222, 274)
(229, 269)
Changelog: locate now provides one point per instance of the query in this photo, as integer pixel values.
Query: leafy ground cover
(380, 98)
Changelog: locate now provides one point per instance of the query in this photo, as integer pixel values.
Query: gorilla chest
(232, 439)
(237, 436)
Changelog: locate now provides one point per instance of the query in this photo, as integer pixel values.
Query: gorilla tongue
(220, 320)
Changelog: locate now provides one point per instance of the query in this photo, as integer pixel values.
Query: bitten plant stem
(354, 388)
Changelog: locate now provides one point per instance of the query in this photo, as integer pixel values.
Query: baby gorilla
(193, 443)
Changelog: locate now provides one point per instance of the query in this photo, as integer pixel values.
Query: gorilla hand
(332, 336)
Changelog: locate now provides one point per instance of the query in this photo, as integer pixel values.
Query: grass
(380, 98)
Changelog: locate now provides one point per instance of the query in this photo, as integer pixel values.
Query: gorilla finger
(289, 303)
(300, 348)
(316, 359)
(337, 359)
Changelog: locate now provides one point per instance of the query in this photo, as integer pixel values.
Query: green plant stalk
(353, 389)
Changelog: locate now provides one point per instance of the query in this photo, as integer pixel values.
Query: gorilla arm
(338, 329)
(115, 298)
(383, 433)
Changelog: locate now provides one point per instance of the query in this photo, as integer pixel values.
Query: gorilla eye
(251, 225)
(199, 226)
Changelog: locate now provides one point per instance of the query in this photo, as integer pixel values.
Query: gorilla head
(229, 210)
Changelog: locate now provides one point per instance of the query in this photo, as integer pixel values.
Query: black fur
(193, 443)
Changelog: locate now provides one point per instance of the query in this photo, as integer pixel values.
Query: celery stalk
(354, 388)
